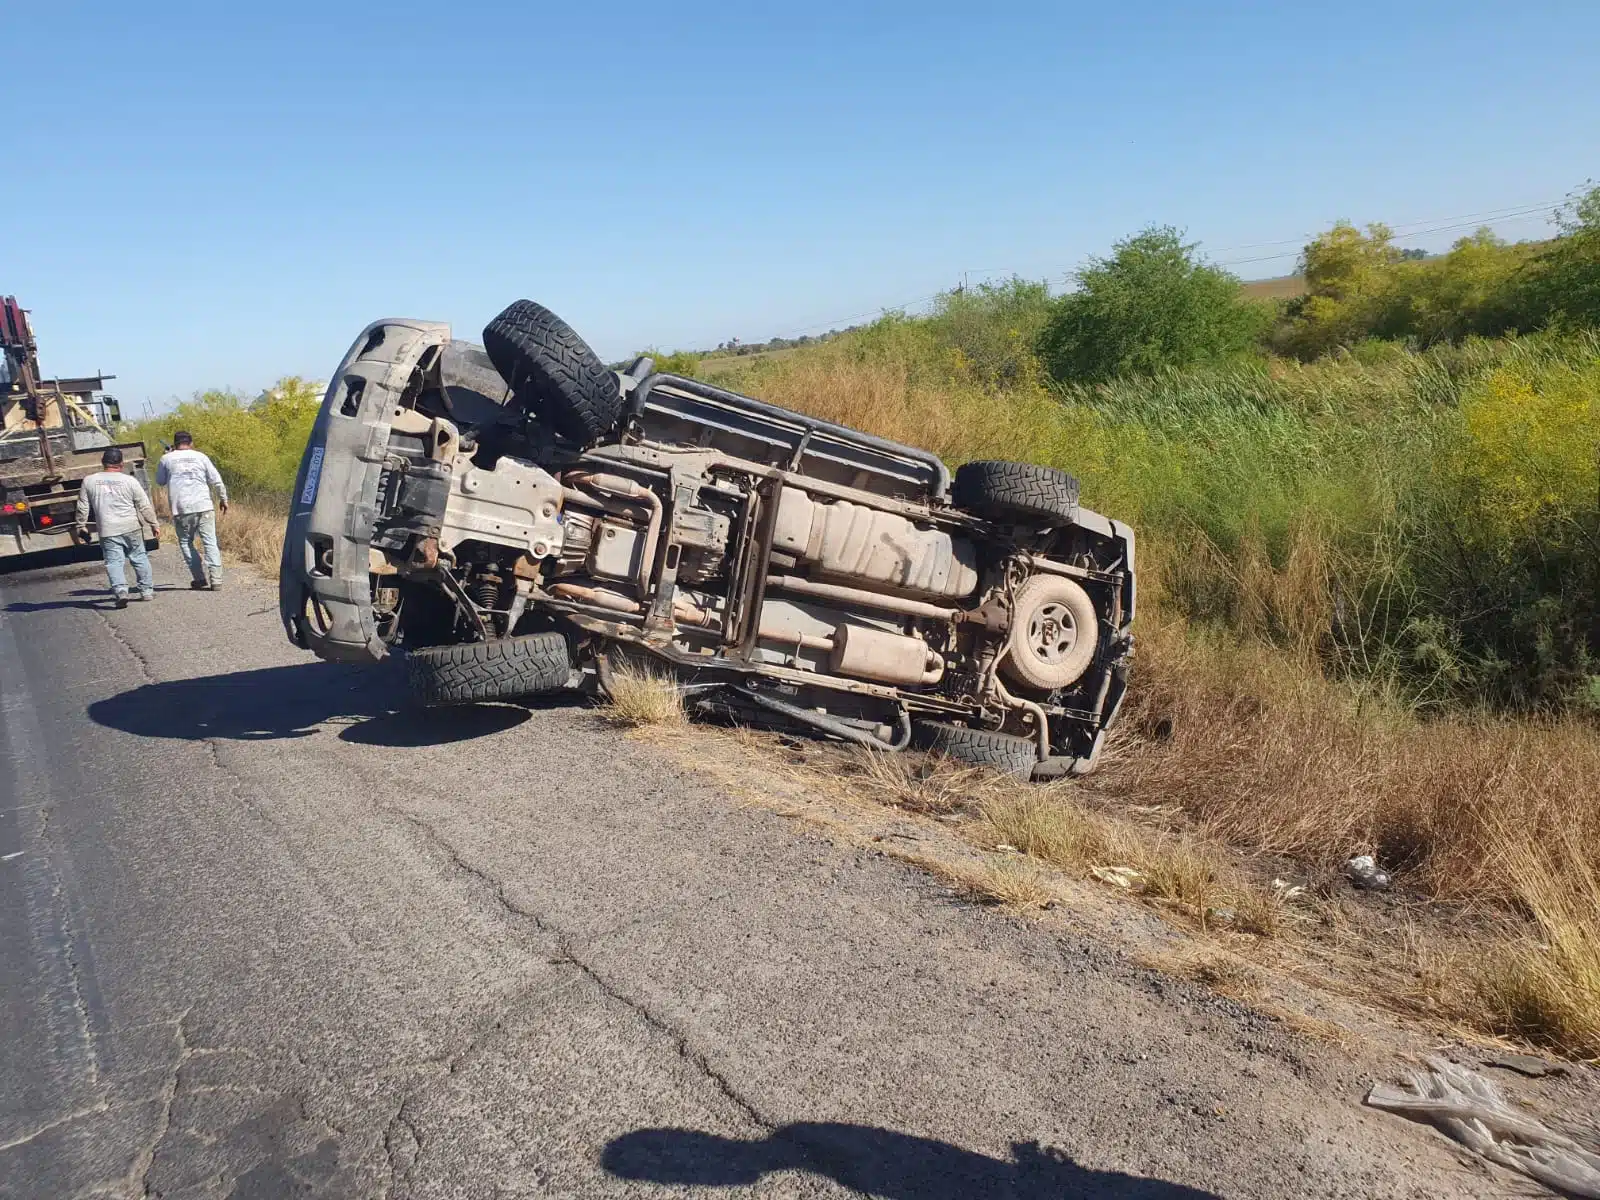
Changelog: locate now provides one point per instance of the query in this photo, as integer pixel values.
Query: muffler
(864, 653)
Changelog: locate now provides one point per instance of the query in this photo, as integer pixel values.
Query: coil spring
(485, 591)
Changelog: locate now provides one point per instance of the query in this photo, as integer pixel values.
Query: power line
(1477, 223)
(1493, 214)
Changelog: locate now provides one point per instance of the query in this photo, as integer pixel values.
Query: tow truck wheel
(479, 672)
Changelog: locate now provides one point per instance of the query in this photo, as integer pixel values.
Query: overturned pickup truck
(519, 518)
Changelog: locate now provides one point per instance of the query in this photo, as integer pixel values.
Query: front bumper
(324, 587)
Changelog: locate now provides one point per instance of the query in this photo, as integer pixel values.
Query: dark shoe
(198, 585)
(122, 600)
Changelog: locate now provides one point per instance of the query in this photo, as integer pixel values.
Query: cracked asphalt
(267, 931)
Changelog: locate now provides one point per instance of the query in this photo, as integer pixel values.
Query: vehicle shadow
(876, 1162)
(276, 703)
(40, 560)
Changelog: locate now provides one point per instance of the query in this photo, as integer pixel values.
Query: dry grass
(1265, 754)
(1261, 753)
(933, 786)
(1544, 983)
(642, 695)
(1008, 882)
(1177, 870)
(1224, 973)
(252, 531)
(885, 397)
(1283, 287)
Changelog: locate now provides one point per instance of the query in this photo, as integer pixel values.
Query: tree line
(1154, 303)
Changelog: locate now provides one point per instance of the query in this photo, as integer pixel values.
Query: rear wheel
(1020, 493)
(1002, 752)
(477, 672)
(552, 372)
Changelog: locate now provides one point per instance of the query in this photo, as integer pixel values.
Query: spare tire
(1017, 493)
(552, 372)
(1003, 752)
(1054, 633)
(477, 672)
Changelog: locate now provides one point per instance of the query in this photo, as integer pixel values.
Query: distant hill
(1284, 287)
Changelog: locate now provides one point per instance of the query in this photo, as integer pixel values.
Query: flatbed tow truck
(52, 433)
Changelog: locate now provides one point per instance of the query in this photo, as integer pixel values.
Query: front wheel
(481, 672)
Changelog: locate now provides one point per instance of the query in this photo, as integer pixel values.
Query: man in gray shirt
(121, 509)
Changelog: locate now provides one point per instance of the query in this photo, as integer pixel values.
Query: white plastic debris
(1122, 877)
(1467, 1107)
(1364, 873)
(1287, 891)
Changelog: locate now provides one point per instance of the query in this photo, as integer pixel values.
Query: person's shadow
(106, 601)
(370, 703)
(878, 1162)
(93, 599)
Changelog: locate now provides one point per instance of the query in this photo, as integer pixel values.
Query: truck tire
(477, 672)
(467, 368)
(1019, 493)
(1054, 632)
(552, 372)
(1002, 752)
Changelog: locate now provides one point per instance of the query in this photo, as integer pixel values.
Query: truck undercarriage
(514, 525)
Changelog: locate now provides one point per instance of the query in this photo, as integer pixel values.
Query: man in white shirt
(189, 476)
(121, 509)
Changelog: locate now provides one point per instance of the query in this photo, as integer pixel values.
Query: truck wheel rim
(1052, 633)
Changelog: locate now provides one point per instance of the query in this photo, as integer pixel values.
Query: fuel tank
(851, 541)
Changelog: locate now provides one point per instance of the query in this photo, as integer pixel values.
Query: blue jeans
(204, 526)
(121, 548)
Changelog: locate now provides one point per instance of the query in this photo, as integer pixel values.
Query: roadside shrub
(256, 444)
(1351, 291)
(1567, 288)
(989, 331)
(679, 362)
(1360, 286)
(1513, 567)
(1152, 305)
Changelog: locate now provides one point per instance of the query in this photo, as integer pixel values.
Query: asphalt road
(265, 931)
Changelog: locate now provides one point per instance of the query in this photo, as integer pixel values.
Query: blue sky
(215, 195)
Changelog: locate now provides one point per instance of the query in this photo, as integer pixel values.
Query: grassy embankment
(1351, 636)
